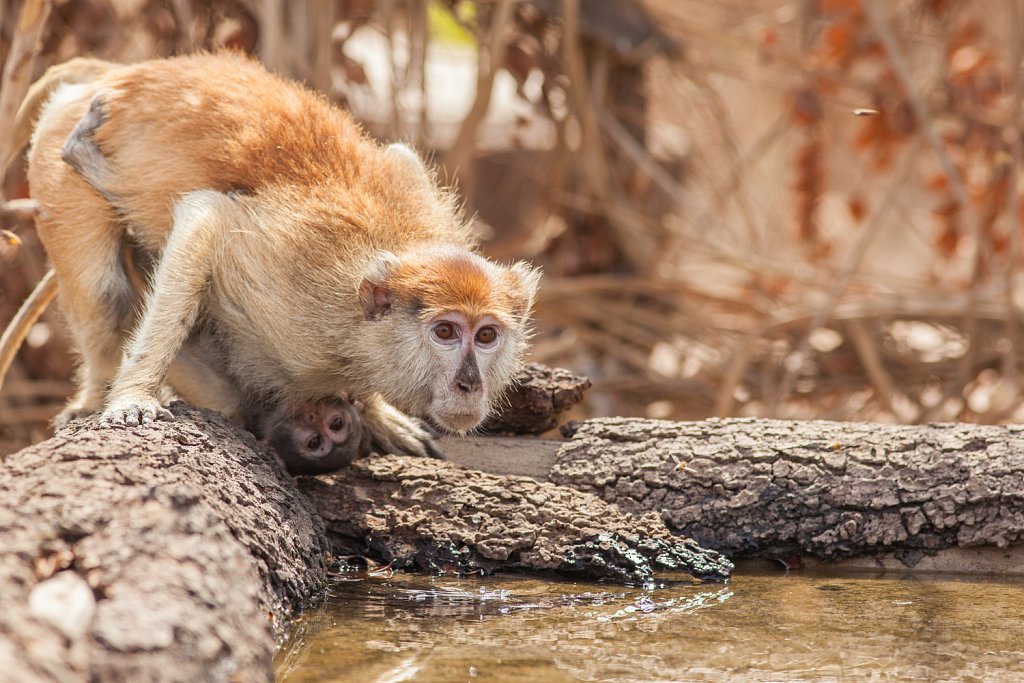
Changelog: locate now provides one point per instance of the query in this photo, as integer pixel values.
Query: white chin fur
(457, 422)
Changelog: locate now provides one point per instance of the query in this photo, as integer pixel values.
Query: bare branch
(461, 151)
(17, 75)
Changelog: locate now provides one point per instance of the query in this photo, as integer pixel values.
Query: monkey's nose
(468, 387)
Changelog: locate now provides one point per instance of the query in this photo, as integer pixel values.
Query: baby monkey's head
(316, 437)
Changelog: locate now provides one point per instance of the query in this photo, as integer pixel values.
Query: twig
(323, 19)
(871, 360)
(720, 118)
(17, 74)
(186, 21)
(18, 210)
(956, 184)
(30, 414)
(1013, 204)
(871, 230)
(595, 170)
(38, 388)
(881, 27)
(676, 193)
(419, 37)
(460, 153)
(387, 10)
(272, 43)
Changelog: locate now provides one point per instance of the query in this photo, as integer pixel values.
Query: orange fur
(451, 280)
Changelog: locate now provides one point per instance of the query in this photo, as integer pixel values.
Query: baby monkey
(315, 438)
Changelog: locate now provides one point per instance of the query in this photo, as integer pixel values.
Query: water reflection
(761, 626)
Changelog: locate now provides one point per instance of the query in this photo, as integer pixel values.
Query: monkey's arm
(392, 431)
(172, 307)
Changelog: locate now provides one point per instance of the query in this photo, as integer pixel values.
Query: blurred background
(773, 208)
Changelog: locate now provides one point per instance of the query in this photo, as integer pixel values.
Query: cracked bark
(826, 489)
(436, 516)
(163, 552)
(539, 395)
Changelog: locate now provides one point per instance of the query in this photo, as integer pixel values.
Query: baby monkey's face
(317, 437)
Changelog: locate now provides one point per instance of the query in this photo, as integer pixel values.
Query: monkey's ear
(375, 295)
(524, 280)
(409, 162)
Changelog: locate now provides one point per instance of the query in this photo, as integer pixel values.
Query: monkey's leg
(83, 236)
(189, 376)
(392, 431)
(200, 383)
(172, 308)
(83, 240)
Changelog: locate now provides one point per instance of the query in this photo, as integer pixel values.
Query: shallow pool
(762, 625)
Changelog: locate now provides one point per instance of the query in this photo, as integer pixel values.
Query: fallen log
(170, 551)
(757, 488)
(858, 496)
(436, 516)
(161, 552)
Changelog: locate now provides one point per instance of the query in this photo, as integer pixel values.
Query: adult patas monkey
(304, 259)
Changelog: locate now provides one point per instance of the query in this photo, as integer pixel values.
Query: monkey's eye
(337, 423)
(444, 331)
(314, 442)
(486, 335)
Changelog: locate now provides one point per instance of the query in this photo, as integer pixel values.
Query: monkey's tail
(78, 70)
(23, 320)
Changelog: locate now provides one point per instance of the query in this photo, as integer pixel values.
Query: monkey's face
(318, 437)
(467, 352)
(448, 329)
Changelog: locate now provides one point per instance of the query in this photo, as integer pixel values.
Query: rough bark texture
(766, 487)
(161, 552)
(537, 399)
(430, 515)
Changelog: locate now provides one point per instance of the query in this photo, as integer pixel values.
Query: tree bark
(830, 490)
(537, 399)
(436, 516)
(162, 552)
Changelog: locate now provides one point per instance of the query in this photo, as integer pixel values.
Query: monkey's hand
(392, 431)
(134, 410)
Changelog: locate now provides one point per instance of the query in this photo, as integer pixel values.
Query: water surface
(761, 625)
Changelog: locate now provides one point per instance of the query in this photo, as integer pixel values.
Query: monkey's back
(222, 122)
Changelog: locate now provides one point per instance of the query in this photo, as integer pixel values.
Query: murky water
(764, 626)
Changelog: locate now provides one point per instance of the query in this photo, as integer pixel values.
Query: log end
(538, 398)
